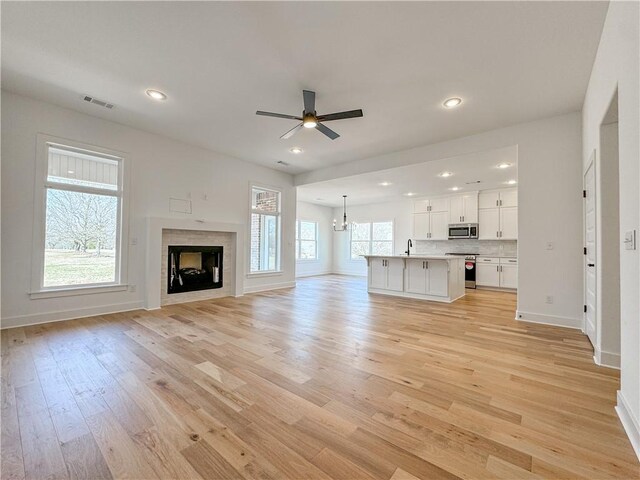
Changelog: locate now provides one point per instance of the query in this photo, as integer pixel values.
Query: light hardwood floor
(320, 381)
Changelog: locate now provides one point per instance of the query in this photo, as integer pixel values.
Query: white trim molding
(629, 422)
(555, 320)
(59, 316)
(270, 286)
(606, 359)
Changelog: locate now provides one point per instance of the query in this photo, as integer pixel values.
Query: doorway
(590, 282)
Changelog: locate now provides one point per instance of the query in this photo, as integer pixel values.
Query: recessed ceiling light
(156, 94)
(452, 102)
(512, 182)
(384, 184)
(504, 165)
(445, 174)
(409, 194)
(296, 150)
(455, 189)
(71, 171)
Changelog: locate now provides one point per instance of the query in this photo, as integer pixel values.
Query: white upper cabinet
(464, 208)
(498, 214)
(431, 219)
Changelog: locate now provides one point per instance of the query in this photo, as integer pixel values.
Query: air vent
(280, 162)
(95, 101)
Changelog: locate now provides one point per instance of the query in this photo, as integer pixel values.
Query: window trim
(38, 290)
(370, 241)
(297, 240)
(278, 214)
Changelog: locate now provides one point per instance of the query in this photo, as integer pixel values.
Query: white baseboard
(313, 274)
(549, 319)
(629, 422)
(606, 359)
(350, 273)
(270, 286)
(37, 318)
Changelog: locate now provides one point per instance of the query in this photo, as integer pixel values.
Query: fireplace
(192, 268)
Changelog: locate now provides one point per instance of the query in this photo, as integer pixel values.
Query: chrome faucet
(409, 245)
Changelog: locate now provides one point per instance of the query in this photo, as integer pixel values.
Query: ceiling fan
(310, 119)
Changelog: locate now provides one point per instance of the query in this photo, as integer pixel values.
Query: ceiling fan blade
(309, 101)
(327, 131)
(340, 115)
(291, 132)
(278, 115)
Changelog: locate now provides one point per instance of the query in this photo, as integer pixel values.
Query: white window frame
(297, 241)
(278, 214)
(371, 240)
(38, 290)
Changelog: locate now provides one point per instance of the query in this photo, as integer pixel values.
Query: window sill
(308, 260)
(271, 273)
(73, 291)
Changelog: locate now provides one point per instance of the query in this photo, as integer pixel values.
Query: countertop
(418, 256)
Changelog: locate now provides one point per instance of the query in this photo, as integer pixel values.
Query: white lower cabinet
(386, 274)
(427, 277)
(497, 272)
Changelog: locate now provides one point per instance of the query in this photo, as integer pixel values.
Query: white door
(440, 204)
(416, 276)
(438, 273)
(470, 208)
(489, 223)
(456, 209)
(509, 276)
(377, 273)
(488, 200)
(509, 223)
(488, 275)
(509, 197)
(439, 225)
(420, 226)
(395, 274)
(590, 257)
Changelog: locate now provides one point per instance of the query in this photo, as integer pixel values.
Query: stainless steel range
(469, 268)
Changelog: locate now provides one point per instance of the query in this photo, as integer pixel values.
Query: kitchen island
(439, 278)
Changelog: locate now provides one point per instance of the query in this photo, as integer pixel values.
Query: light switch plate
(630, 240)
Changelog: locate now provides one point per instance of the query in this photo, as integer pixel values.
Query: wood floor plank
(319, 381)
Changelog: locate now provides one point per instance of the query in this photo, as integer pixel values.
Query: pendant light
(344, 225)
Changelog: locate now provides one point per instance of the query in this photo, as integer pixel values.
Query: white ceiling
(421, 179)
(221, 61)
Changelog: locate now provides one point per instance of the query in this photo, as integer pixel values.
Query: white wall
(617, 66)
(323, 216)
(161, 168)
(399, 212)
(549, 207)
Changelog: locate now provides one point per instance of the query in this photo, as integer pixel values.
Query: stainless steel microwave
(463, 230)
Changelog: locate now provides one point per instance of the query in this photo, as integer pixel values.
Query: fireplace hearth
(193, 268)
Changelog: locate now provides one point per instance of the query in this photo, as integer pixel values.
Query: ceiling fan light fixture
(309, 121)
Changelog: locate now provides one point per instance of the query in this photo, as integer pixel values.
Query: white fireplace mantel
(155, 226)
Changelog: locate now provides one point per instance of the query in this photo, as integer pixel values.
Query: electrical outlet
(132, 288)
(549, 299)
(134, 240)
(630, 240)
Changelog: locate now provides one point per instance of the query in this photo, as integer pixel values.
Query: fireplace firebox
(194, 268)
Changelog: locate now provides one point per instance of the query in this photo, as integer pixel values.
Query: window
(81, 230)
(265, 230)
(306, 240)
(371, 238)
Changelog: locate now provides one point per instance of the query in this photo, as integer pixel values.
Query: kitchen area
(458, 242)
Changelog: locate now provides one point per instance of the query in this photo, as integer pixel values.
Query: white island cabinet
(438, 278)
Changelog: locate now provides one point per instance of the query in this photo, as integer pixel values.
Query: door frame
(590, 164)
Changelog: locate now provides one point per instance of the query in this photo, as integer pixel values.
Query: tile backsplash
(498, 248)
